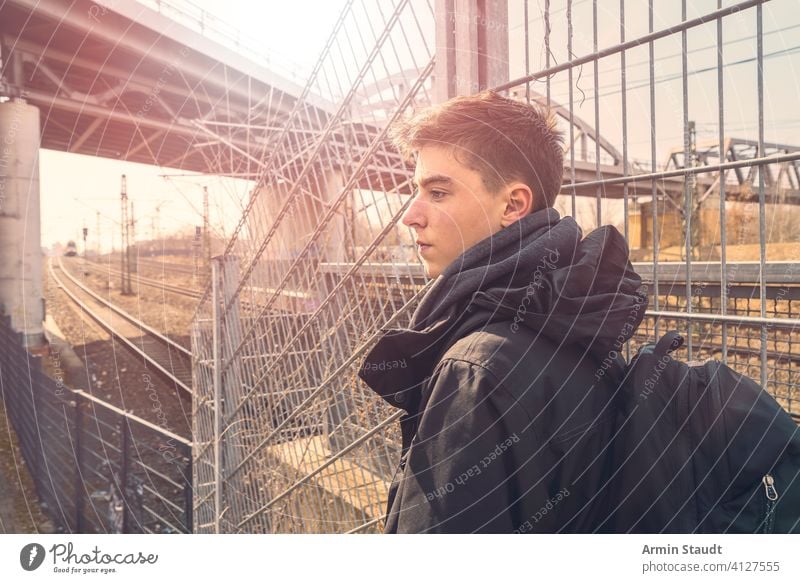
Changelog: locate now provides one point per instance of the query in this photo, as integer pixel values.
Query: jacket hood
(540, 273)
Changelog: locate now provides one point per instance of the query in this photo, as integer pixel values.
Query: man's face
(451, 211)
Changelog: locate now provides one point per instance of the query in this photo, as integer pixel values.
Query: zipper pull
(769, 487)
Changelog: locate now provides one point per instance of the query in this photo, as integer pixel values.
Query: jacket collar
(402, 360)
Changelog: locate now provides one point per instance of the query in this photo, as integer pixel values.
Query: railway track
(175, 267)
(142, 280)
(293, 296)
(697, 340)
(170, 359)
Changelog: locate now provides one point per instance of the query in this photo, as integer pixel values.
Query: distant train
(71, 250)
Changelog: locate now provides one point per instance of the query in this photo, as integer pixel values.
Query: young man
(503, 383)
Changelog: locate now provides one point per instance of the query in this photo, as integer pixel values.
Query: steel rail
(125, 315)
(685, 172)
(146, 281)
(790, 323)
(130, 344)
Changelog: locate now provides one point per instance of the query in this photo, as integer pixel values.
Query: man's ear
(519, 203)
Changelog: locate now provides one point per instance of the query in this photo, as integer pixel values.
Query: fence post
(35, 383)
(230, 330)
(79, 497)
(124, 428)
(217, 356)
(339, 408)
(188, 499)
(467, 32)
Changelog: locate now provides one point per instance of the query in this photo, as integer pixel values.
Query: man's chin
(431, 271)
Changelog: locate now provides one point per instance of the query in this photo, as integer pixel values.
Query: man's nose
(415, 213)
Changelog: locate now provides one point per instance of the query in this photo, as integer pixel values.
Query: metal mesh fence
(294, 429)
(287, 439)
(96, 468)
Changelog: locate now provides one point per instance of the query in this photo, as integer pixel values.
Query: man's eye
(437, 194)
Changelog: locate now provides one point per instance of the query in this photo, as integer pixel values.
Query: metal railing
(287, 438)
(96, 468)
(217, 29)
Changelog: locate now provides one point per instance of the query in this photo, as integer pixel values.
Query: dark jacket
(503, 383)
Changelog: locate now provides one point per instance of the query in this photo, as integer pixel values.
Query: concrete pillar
(472, 47)
(20, 239)
(311, 202)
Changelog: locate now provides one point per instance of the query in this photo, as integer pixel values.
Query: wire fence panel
(278, 406)
(287, 439)
(96, 468)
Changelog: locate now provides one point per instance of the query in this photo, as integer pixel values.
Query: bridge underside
(130, 84)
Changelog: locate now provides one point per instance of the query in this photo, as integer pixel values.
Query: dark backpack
(700, 449)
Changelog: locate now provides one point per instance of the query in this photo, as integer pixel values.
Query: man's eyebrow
(433, 178)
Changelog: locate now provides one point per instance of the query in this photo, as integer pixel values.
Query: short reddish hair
(502, 139)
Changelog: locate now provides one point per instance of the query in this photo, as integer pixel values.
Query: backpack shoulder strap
(669, 342)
